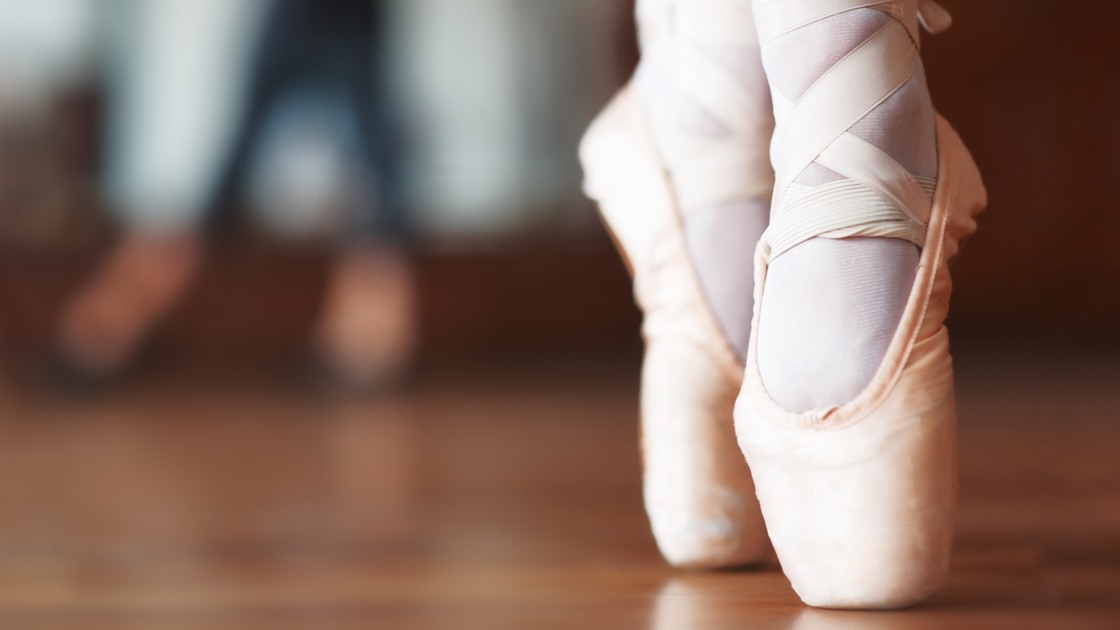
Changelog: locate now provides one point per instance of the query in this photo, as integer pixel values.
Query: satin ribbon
(933, 17)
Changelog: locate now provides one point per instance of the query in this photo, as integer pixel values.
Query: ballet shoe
(367, 333)
(102, 327)
(859, 500)
(697, 488)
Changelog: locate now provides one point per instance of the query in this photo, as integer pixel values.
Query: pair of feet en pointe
(365, 335)
(797, 394)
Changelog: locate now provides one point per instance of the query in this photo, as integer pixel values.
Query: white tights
(831, 306)
(720, 233)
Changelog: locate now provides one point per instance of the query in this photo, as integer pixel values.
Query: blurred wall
(499, 90)
(493, 94)
(496, 95)
(1033, 87)
(43, 44)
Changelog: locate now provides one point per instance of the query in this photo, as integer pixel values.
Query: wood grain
(498, 494)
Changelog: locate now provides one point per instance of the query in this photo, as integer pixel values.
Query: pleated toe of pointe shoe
(698, 490)
(860, 500)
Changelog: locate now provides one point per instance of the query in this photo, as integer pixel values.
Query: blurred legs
(318, 158)
(280, 95)
(177, 82)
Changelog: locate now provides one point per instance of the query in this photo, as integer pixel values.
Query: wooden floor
(498, 494)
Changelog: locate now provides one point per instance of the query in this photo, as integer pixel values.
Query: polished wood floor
(498, 494)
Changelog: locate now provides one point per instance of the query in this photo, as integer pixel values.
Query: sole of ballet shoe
(697, 487)
(860, 500)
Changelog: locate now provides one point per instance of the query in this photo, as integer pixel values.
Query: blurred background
(485, 103)
(148, 117)
(293, 278)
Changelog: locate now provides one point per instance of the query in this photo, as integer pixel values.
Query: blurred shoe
(103, 326)
(697, 487)
(368, 330)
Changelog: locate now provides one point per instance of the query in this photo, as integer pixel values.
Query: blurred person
(821, 350)
(279, 99)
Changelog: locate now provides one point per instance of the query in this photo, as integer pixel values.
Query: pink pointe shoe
(860, 499)
(697, 488)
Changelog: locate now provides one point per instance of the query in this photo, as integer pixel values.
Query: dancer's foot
(847, 415)
(368, 331)
(104, 324)
(678, 164)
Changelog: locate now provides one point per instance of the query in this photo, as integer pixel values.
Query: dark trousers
(334, 47)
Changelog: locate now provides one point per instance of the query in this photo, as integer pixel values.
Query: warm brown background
(1032, 86)
(1034, 89)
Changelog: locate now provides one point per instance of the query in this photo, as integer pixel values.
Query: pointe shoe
(697, 488)
(367, 333)
(860, 500)
(103, 326)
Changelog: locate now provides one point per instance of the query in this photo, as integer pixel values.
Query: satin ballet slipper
(697, 488)
(860, 500)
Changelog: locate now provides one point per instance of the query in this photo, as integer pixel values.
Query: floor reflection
(763, 600)
(373, 472)
(500, 496)
(752, 598)
(193, 473)
(812, 619)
